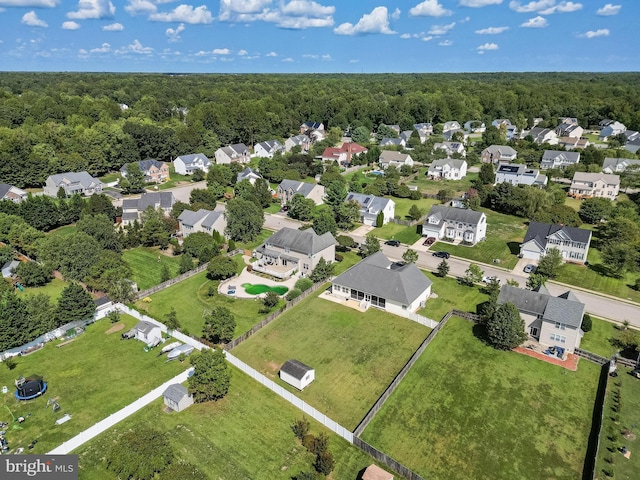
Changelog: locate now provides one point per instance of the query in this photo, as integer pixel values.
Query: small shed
(148, 332)
(297, 374)
(177, 397)
(374, 472)
(9, 267)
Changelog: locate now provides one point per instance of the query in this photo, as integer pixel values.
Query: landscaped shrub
(304, 284)
(324, 462)
(339, 257)
(308, 441)
(587, 323)
(300, 428)
(293, 293)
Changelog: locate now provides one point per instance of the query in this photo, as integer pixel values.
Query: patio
(532, 348)
(252, 278)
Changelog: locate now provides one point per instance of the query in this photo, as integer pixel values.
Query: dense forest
(57, 122)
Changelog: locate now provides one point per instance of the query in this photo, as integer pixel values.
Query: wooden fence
(385, 459)
(593, 444)
(591, 356)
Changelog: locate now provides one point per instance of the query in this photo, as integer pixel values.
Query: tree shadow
(480, 332)
(514, 247)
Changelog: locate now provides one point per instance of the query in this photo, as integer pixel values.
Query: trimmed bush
(304, 284)
(293, 293)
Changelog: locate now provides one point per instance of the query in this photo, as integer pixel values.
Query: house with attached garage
(132, 208)
(618, 165)
(288, 188)
(450, 148)
(238, 152)
(391, 158)
(177, 397)
(153, 170)
(344, 153)
(424, 130)
(371, 206)
(571, 143)
(72, 182)
(447, 169)
(611, 130)
(600, 185)
(187, 164)
(457, 224)
(206, 221)
(11, 193)
(552, 321)
(543, 135)
(518, 174)
(498, 154)
(569, 128)
(289, 250)
(558, 159)
(572, 242)
(392, 142)
(302, 141)
(451, 125)
(248, 174)
(267, 149)
(297, 374)
(376, 281)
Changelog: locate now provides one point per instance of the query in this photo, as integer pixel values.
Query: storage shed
(374, 472)
(177, 397)
(297, 374)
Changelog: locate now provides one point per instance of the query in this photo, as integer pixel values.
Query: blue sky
(306, 36)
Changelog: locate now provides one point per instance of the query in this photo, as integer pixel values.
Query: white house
(450, 148)
(187, 164)
(203, 220)
(378, 282)
(518, 174)
(451, 125)
(248, 174)
(72, 182)
(448, 169)
(9, 268)
(297, 374)
(393, 142)
(572, 242)
(618, 165)
(371, 206)
(238, 152)
(569, 128)
(543, 135)
(611, 130)
(457, 224)
(558, 159)
(391, 158)
(267, 149)
(424, 130)
(11, 193)
(475, 126)
(177, 397)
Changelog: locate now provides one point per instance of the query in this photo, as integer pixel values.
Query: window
(560, 326)
(558, 338)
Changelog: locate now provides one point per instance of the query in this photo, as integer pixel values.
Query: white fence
(427, 322)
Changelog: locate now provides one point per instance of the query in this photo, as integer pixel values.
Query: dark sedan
(441, 254)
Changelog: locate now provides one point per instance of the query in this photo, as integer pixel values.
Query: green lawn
(466, 410)
(264, 234)
(147, 264)
(246, 435)
(404, 234)
(404, 204)
(434, 186)
(348, 260)
(273, 208)
(91, 377)
(504, 235)
(612, 433)
(53, 289)
(355, 355)
(573, 203)
(597, 340)
(451, 294)
(66, 231)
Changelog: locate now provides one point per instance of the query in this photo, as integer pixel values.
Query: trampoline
(30, 387)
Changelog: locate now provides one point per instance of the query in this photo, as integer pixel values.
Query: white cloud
(230, 8)
(297, 14)
(288, 59)
(298, 23)
(396, 14)
(135, 7)
(603, 32)
(441, 29)
(326, 56)
(306, 8)
(185, 14)
(31, 19)
(353, 60)
(173, 34)
(427, 38)
(609, 9)
(488, 46)
(70, 25)
(135, 47)
(491, 30)
(221, 51)
(105, 48)
(535, 22)
(311, 55)
(405, 35)
(533, 6)
(429, 8)
(375, 22)
(446, 43)
(479, 3)
(29, 3)
(93, 9)
(113, 27)
(242, 53)
(272, 54)
(562, 7)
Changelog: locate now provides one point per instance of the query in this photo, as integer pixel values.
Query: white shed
(297, 374)
(148, 333)
(177, 397)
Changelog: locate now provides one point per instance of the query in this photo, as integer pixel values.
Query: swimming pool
(376, 172)
(257, 289)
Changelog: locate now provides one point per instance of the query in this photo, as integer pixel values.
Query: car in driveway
(529, 268)
(429, 241)
(490, 278)
(393, 243)
(441, 254)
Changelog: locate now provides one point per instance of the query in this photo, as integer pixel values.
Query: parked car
(441, 254)
(393, 243)
(490, 278)
(429, 241)
(529, 268)
(636, 372)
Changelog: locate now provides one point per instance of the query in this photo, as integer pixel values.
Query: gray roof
(301, 241)
(379, 276)
(452, 214)
(370, 203)
(235, 150)
(247, 173)
(501, 149)
(387, 156)
(300, 139)
(390, 141)
(538, 133)
(609, 163)
(145, 327)
(176, 392)
(565, 308)
(608, 178)
(295, 368)
(193, 158)
(208, 217)
(270, 145)
(154, 199)
(144, 165)
(4, 188)
(539, 232)
(83, 178)
(303, 188)
(564, 156)
(454, 163)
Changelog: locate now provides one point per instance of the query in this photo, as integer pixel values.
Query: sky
(323, 36)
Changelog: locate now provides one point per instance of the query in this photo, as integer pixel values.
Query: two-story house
(248, 174)
(572, 242)
(450, 125)
(267, 149)
(475, 126)
(344, 153)
(456, 224)
(498, 154)
(558, 159)
(571, 143)
(238, 152)
(611, 130)
(569, 128)
(600, 185)
(450, 148)
(132, 208)
(371, 206)
(391, 158)
(187, 164)
(618, 165)
(153, 170)
(542, 135)
(206, 221)
(393, 142)
(11, 193)
(517, 174)
(302, 141)
(288, 188)
(447, 169)
(511, 131)
(424, 130)
(72, 182)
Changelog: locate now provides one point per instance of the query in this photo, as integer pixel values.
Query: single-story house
(72, 182)
(203, 220)
(498, 154)
(343, 153)
(618, 165)
(461, 224)
(177, 397)
(132, 208)
(543, 135)
(378, 282)
(11, 193)
(248, 174)
(147, 332)
(267, 149)
(371, 206)
(374, 472)
(448, 169)
(289, 250)
(552, 321)
(572, 242)
(394, 159)
(288, 188)
(611, 130)
(187, 164)
(450, 148)
(601, 185)
(9, 267)
(297, 374)
(558, 159)
(518, 174)
(302, 141)
(153, 170)
(238, 152)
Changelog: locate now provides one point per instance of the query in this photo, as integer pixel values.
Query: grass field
(466, 410)
(451, 295)
(53, 289)
(504, 235)
(355, 355)
(598, 339)
(434, 186)
(404, 204)
(348, 260)
(611, 435)
(246, 435)
(91, 377)
(66, 231)
(404, 234)
(264, 234)
(147, 263)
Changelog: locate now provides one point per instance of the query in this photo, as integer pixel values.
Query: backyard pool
(259, 288)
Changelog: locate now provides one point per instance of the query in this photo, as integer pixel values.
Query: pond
(257, 289)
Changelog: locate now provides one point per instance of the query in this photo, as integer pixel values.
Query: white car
(490, 278)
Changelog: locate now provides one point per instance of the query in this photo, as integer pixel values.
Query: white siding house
(187, 164)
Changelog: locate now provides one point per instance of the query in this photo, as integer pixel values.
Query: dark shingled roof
(452, 214)
(539, 232)
(295, 368)
(301, 241)
(176, 392)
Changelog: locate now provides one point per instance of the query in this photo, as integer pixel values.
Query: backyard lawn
(66, 231)
(53, 289)
(451, 294)
(246, 435)
(91, 377)
(404, 204)
(598, 339)
(403, 233)
(264, 234)
(355, 355)
(147, 263)
(425, 185)
(504, 235)
(466, 410)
